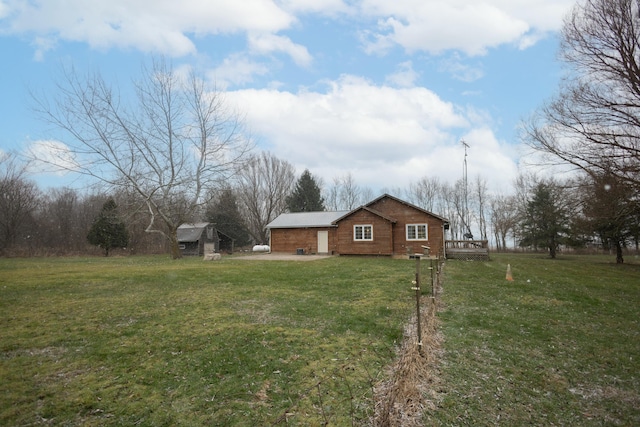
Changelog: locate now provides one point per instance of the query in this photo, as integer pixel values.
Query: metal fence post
(417, 289)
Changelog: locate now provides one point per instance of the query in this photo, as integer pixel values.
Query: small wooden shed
(198, 238)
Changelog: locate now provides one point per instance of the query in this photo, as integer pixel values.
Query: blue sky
(382, 90)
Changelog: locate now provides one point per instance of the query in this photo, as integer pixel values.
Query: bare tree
(177, 140)
(504, 217)
(611, 211)
(345, 194)
(19, 198)
(58, 219)
(594, 122)
(451, 204)
(480, 198)
(263, 186)
(425, 193)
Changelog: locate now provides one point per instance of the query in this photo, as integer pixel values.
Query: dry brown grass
(412, 380)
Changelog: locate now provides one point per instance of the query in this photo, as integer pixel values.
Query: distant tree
(306, 196)
(224, 212)
(504, 218)
(345, 194)
(612, 211)
(481, 198)
(545, 218)
(58, 219)
(19, 198)
(108, 231)
(179, 138)
(425, 193)
(457, 198)
(263, 186)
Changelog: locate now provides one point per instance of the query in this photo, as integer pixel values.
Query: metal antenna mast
(465, 214)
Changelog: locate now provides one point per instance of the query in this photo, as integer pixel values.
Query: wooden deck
(468, 250)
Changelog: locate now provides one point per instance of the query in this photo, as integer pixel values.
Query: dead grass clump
(410, 388)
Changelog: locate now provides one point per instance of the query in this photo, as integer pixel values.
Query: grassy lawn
(150, 341)
(560, 345)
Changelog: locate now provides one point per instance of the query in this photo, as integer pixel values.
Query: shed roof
(306, 219)
(191, 232)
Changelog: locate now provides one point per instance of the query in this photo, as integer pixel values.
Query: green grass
(149, 341)
(560, 345)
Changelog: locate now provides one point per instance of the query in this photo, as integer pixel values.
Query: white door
(323, 242)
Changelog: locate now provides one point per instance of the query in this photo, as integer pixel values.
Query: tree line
(543, 214)
(177, 152)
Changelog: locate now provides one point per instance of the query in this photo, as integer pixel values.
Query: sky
(382, 90)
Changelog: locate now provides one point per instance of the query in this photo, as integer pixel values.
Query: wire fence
(396, 397)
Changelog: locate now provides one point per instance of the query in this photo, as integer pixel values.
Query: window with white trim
(362, 232)
(417, 232)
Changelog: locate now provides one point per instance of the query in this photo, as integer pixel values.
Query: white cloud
(460, 70)
(238, 69)
(325, 7)
(42, 46)
(172, 28)
(468, 26)
(405, 76)
(162, 26)
(51, 157)
(490, 159)
(385, 137)
(4, 10)
(266, 44)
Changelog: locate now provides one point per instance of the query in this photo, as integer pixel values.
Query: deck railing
(477, 250)
(466, 244)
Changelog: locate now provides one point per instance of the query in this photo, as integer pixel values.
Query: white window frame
(363, 227)
(415, 228)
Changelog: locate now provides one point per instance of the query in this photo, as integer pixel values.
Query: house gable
(380, 226)
(407, 214)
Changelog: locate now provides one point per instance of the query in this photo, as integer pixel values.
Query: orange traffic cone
(509, 276)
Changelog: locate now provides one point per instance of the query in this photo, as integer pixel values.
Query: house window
(417, 232)
(362, 232)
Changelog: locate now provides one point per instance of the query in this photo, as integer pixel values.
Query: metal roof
(191, 232)
(306, 219)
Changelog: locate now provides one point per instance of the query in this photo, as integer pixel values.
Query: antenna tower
(465, 214)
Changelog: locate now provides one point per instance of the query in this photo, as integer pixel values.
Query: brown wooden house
(384, 226)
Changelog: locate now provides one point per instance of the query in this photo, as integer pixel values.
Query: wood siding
(289, 240)
(387, 215)
(405, 214)
(382, 243)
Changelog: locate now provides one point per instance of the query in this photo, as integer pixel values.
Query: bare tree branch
(176, 140)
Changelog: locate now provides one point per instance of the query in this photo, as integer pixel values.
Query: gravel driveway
(281, 257)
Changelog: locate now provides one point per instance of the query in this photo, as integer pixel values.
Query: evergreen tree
(306, 196)
(108, 231)
(545, 220)
(225, 214)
